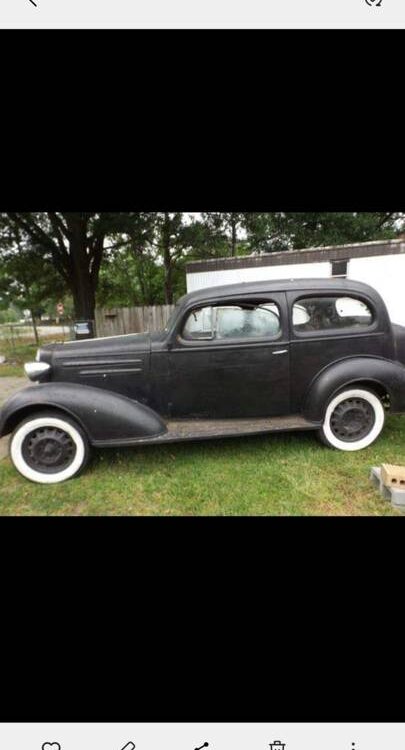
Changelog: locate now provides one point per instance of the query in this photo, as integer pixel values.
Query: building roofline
(306, 255)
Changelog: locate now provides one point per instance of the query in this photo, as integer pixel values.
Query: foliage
(9, 315)
(72, 243)
(27, 279)
(126, 281)
(138, 258)
(225, 230)
(285, 231)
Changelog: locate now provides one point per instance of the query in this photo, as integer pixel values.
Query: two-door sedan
(249, 358)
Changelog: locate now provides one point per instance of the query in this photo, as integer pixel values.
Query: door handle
(281, 351)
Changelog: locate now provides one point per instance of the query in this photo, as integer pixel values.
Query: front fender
(383, 372)
(105, 416)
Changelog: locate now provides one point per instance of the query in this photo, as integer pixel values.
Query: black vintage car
(244, 359)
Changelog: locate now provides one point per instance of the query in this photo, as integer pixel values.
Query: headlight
(36, 370)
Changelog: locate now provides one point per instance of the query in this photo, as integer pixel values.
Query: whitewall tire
(49, 448)
(353, 420)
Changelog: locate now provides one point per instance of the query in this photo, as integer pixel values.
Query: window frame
(333, 332)
(254, 302)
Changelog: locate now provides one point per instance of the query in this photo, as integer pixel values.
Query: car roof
(280, 285)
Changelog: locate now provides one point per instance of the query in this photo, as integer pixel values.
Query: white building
(380, 264)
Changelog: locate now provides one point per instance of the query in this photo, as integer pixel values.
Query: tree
(270, 232)
(141, 256)
(126, 280)
(166, 238)
(27, 282)
(74, 243)
(149, 247)
(226, 228)
(169, 241)
(141, 228)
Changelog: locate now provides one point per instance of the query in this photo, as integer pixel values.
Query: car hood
(133, 342)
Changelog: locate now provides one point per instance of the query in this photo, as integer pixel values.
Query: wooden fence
(118, 320)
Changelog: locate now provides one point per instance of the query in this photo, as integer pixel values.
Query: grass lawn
(290, 474)
(16, 355)
(10, 371)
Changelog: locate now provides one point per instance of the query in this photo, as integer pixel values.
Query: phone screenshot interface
(205, 14)
(199, 736)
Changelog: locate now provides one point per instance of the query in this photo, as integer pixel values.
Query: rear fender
(384, 374)
(105, 416)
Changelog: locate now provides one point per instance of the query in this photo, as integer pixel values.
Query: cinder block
(375, 476)
(395, 495)
(393, 476)
(385, 492)
(398, 499)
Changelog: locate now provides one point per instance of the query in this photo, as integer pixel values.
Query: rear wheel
(49, 447)
(353, 420)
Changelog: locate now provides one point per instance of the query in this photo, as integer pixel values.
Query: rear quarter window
(331, 313)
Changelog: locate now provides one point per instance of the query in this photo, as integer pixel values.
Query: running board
(179, 430)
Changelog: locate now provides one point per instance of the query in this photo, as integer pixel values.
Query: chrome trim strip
(113, 371)
(240, 344)
(99, 362)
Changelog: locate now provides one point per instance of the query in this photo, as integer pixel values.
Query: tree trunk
(138, 255)
(168, 285)
(81, 281)
(84, 300)
(34, 325)
(142, 286)
(234, 236)
(167, 261)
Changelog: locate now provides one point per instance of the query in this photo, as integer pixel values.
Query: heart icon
(51, 746)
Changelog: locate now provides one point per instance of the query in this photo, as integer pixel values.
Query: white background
(189, 736)
(385, 273)
(204, 14)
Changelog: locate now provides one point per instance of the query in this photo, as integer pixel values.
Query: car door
(327, 327)
(230, 359)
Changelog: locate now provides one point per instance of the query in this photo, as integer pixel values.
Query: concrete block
(393, 494)
(398, 499)
(393, 476)
(375, 476)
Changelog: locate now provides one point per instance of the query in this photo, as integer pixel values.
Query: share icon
(204, 745)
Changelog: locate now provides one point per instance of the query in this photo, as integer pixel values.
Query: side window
(199, 325)
(245, 323)
(323, 313)
(233, 322)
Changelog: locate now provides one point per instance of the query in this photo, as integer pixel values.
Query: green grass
(17, 353)
(9, 371)
(290, 474)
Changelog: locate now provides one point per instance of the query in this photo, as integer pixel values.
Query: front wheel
(353, 420)
(49, 448)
